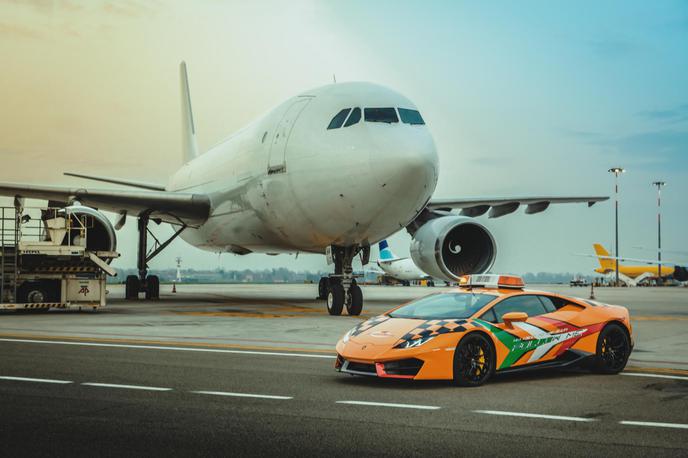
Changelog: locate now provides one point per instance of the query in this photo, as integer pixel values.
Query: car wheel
(474, 360)
(335, 298)
(613, 350)
(355, 304)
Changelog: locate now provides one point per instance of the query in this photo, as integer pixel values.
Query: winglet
(189, 145)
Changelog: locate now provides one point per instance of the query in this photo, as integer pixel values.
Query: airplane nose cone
(406, 167)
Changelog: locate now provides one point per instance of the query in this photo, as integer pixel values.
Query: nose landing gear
(340, 289)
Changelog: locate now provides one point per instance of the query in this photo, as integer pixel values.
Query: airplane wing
(389, 261)
(624, 259)
(172, 207)
(501, 206)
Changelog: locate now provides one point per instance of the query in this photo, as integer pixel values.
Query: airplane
(402, 269)
(330, 171)
(634, 274)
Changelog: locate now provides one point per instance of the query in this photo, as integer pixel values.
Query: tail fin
(605, 263)
(189, 146)
(385, 253)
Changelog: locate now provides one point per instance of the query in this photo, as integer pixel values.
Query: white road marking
(242, 395)
(155, 347)
(41, 380)
(388, 404)
(533, 415)
(651, 423)
(673, 377)
(128, 387)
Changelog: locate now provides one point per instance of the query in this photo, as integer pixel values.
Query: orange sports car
(489, 324)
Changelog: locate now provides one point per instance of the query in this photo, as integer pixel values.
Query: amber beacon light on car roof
(491, 281)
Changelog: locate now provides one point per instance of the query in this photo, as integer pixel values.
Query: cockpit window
(410, 116)
(388, 115)
(338, 119)
(354, 117)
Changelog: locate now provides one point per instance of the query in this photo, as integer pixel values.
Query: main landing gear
(340, 289)
(144, 283)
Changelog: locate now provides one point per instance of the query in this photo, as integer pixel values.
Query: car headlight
(347, 336)
(415, 342)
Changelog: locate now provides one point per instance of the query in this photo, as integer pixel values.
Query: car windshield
(444, 306)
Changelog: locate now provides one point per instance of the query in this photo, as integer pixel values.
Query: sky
(522, 98)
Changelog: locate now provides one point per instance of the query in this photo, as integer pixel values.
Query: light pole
(616, 171)
(659, 185)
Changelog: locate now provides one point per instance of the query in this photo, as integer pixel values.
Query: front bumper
(403, 368)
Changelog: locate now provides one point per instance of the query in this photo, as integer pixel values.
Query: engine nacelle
(100, 235)
(680, 273)
(450, 246)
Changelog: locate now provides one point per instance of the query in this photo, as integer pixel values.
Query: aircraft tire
(322, 287)
(335, 298)
(355, 304)
(131, 287)
(153, 287)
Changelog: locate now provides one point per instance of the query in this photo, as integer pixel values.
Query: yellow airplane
(633, 274)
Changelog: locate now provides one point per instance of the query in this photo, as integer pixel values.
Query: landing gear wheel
(355, 304)
(322, 287)
(613, 350)
(335, 299)
(474, 360)
(152, 287)
(132, 287)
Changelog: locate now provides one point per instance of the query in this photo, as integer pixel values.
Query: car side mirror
(511, 317)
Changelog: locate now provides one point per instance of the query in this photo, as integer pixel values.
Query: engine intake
(100, 235)
(450, 246)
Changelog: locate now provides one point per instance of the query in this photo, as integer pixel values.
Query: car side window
(489, 316)
(548, 303)
(527, 304)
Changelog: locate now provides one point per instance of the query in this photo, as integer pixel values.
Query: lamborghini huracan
(490, 324)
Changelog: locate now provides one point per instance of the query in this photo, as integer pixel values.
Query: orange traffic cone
(174, 287)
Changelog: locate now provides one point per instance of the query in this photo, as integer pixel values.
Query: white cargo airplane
(331, 171)
(402, 269)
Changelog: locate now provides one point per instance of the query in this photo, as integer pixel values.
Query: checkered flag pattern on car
(433, 328)
(363, 327)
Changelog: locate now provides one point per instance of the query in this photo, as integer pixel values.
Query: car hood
(385, 332)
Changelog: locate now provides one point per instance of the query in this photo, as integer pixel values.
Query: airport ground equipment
(53, 258)
(489, 324)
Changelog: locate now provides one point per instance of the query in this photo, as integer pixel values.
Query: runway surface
(249, 371)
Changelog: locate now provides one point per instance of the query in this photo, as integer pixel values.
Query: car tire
(474, 360)
(355, 304)
(335, 298)
(613, 350)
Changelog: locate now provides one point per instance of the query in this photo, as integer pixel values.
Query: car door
(528, 341)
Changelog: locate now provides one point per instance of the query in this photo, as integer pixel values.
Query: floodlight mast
(659, 185)
(616, 171)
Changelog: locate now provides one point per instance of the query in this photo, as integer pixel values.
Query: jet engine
(88, 223)
(450, 246)
(680, 273)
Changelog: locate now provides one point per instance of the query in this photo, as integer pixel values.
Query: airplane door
(277, 160)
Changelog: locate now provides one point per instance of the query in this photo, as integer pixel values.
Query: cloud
(676, 114)
(19, 31)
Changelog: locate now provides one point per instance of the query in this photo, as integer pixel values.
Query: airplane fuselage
(287, 183)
